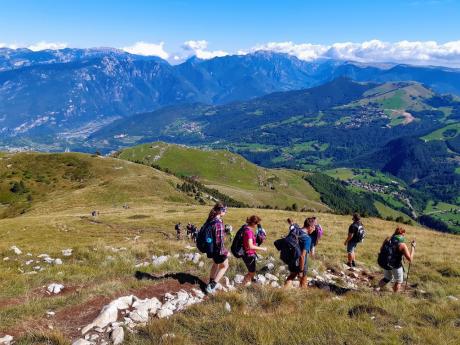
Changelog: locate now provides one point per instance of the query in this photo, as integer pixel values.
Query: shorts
(296, 269)
(218, 259)
(250, 262)
(351, 246)
(396, 274)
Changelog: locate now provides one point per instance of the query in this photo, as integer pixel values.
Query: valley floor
(107, 248)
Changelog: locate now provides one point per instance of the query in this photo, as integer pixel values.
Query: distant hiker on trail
(244, 246)
(193, 232)
(210, 240)
(298, 267)
(315, 235)
(188, 229)
(391, 256)
(178, 230)
(355, 235)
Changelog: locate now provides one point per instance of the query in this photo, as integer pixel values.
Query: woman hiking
(250, 247)
(220, 257)
(315, 235)
(390, 258)
(304, 240)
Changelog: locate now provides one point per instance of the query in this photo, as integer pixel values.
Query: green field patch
(341, 173)
(308, 146)
(445, 133)
(387, 212)
(396, 101)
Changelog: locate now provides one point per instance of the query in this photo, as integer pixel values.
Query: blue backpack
(205, 239)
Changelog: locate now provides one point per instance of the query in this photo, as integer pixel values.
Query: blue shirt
(305, 242)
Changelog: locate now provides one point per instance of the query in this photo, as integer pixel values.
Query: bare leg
(221, 269)
(214, 268)
(397, 287)
(303, 282)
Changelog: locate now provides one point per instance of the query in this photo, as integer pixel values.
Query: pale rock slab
(117, 336)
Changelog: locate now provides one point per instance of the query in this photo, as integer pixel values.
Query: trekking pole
(410, 262)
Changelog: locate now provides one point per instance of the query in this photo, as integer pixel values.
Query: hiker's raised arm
(252, 246)
(407, 254)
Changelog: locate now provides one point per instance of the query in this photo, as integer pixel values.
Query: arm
(302, 261)
(349, 237)
(408, 255)
(252, 246)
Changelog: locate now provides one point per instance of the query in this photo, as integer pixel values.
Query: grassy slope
(439, 134)
(98, 271)
(61, 181)
(231, 174)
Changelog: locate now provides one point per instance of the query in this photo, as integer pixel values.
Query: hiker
(390, 258)
(178, 230)
(299, 268)
(355, 235)
(315, 235)
(211, 239)
(193, 232)
(250, 247)
(189, 230)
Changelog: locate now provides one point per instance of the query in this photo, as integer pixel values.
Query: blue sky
(226, 26)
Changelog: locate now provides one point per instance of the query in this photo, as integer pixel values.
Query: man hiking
(178, 229)
(354, 237)
(391, 256)
(300, 268)
(250, 247)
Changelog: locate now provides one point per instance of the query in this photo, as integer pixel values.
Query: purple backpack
(319, 231)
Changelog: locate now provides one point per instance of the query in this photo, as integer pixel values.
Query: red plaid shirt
(219, 235)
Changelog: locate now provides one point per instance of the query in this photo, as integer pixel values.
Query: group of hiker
(294, 248)
(191, 231)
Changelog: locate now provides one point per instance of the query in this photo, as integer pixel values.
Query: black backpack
(360, 233)
(205, 239)
(289, 247)
(388, 255)
(237, 244)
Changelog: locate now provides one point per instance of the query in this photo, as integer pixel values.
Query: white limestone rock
(164, 313)
(238, 279)
(108, 314)
(6, 340)
(271, 277)
(117, 336)
(16, 250)
(123, 303)
(55, 288)
(261, 279)
(150, 305)
(227, 307)
(67, 252)
(139, 315)
(159, 260)
(81, 342)
(452, 298)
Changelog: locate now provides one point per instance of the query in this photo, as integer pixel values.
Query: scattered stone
(122, 303)
(50, 313)
(55, 288)
(271, 277)
(117, 336)
(238, 279)
(228, 308)
(139, 315)
(108, 314)
(452, 298)
(16, 250)
(164, 313)
(6, 340)
(28, 262)
(270, 266)
(6, 258)
(67, 252)
(94, 337)
(201, 264)
(398, 327)
(167, 335)
(159, 260)
(261, 279)
(81, 342)
(274, 284)
(58, 261)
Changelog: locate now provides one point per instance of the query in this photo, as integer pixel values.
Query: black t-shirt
(353, 229)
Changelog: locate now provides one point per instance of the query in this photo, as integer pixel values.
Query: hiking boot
(349, 264)
(353, 264)
(211, 287)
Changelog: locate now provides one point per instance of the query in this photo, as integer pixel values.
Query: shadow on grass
(182, 278)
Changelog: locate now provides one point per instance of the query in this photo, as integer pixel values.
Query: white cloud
(43, 45)
(199, 48)
(411, 52)
(148, 49)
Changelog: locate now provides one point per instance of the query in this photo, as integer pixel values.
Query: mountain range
(62, 94)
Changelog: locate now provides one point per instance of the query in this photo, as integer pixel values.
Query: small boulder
(55, 288)
(159, 260)
(271, 277)
(67, 252)
(238, 279)
(16, 250)
(6, 340)
(270, 266)
(123, 303)
(81, 342)
(164, 313)
(117, 336)
(452, 298)
(139, 315)
(227, 307)
(261, 279)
